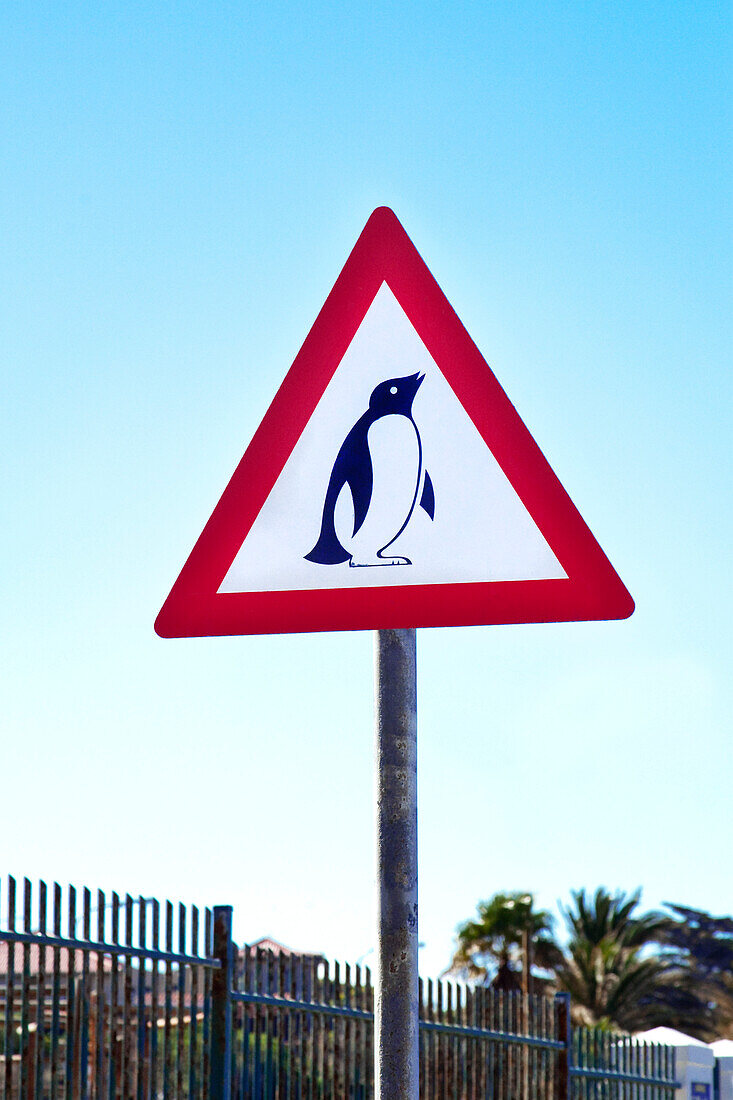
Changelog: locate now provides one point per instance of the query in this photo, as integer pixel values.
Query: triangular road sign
(391, 483)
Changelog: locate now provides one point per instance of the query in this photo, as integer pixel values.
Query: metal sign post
(396, 1000)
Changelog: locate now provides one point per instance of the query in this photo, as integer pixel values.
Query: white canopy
(670, 1037)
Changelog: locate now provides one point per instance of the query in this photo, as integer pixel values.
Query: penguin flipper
(328, 550)
(427, 500)
(358, 475)
(353, 467)
(360, 480)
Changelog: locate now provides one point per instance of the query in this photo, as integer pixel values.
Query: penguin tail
(327, 551)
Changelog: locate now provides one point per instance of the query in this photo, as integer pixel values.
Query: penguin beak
(417, 380)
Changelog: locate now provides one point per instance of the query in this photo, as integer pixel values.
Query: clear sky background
(180, 185)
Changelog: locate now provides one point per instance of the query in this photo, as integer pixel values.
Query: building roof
(277, 948)
(13, 953)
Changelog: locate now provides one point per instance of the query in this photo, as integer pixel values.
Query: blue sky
(179, 188)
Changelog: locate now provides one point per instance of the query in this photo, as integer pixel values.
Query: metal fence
(128, 999)
(295, 1027)
(603, 1065)
(105, 1001)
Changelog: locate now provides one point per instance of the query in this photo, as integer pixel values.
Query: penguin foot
(379, 561)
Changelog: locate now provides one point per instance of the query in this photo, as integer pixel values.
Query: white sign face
(390, 483)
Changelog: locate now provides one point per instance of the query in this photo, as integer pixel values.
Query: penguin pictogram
(380, 462)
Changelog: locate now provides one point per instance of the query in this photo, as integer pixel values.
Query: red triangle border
(592, 590)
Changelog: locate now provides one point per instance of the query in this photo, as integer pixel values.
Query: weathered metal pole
(396, 1002)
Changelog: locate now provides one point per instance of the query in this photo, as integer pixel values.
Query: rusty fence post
(563, 1034)
(220, 1073)
(29, 1063)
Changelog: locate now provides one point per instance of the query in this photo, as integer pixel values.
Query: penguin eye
(393, 389)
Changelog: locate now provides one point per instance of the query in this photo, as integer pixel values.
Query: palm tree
(702, 945)
(615, 973)
(492, 945)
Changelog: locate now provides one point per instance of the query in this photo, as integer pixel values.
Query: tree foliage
(702, 945)
(491, 946)
(616, 974)
(624, 968)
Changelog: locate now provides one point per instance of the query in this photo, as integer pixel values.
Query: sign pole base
(396, 1015)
